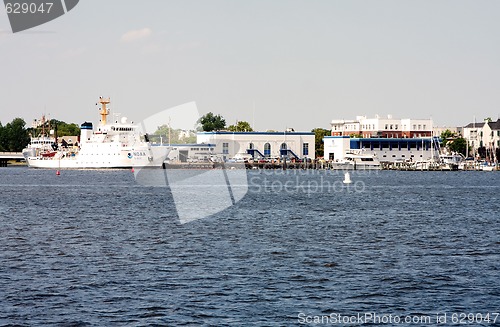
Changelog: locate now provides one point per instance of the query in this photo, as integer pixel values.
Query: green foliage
(447, 136)
(319, 134)
(211, 122)
(1, 138)
(178, 136)
(458, 145)
(241, 126)
(64, 129)
(13, 136)
(355, 135)
(453, 142)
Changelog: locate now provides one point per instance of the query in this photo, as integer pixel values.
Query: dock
(5, 157)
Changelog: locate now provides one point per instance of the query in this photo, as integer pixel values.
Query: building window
(267, 149)
(283, 146)
(391, 126)
(425, 127)
(305, 149)
(414, 127)
(225, 148)
(386, 126)
(250, 146)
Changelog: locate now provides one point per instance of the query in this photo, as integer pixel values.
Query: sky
(276, 64)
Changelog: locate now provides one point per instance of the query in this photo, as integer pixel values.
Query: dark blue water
(93, 248)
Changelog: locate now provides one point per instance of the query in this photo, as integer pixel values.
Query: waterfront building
(288, 144)
(485, 134)
(387, 138)
(385, 149)
(382, 127)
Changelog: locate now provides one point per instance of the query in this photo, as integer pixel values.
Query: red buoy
(58, 173)
(133, 169)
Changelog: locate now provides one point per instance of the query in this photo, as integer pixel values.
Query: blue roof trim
(384, 139)
(395, 139)
(188, 144)
(257, 133)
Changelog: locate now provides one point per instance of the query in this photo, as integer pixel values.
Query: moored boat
(42, 142)
(357, 161)
(118, 144)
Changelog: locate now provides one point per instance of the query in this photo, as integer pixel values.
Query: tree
(64, 129)
(454, 143)
(241, 126)
(458, 145)
(319, 134)
(211, 122)
(15, 136)
(447, 136)
(2, 139)
(178, 136)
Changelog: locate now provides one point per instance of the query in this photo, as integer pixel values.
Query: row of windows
(402, 156)
(267, 148)
(353, 127)
(201, 149)
(122, 129)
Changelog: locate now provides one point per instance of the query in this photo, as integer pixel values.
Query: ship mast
(104, 110)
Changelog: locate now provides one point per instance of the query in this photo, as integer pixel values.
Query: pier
(5, 157)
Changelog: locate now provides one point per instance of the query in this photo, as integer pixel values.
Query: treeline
(14, 136)
(61, 128)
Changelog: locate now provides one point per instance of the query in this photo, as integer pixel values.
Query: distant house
(473, 133)
(485, 134)
(69, 140)
(491, 133)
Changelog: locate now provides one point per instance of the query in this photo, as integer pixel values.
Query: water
(93, 248)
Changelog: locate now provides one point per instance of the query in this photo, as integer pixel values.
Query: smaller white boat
(451, 161)
(41, 144)
(357, 161)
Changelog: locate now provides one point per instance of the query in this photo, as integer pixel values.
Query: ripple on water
(81, 256)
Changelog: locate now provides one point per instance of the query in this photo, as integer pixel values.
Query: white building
(382, 127)
(385, 149)
(485, 134)
(260, 144)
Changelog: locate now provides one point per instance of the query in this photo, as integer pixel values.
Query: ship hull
(127, 158)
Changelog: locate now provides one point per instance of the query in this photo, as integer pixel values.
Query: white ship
(112, 145)
(41, 143)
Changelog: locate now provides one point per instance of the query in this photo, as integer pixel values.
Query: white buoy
(347, 178)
